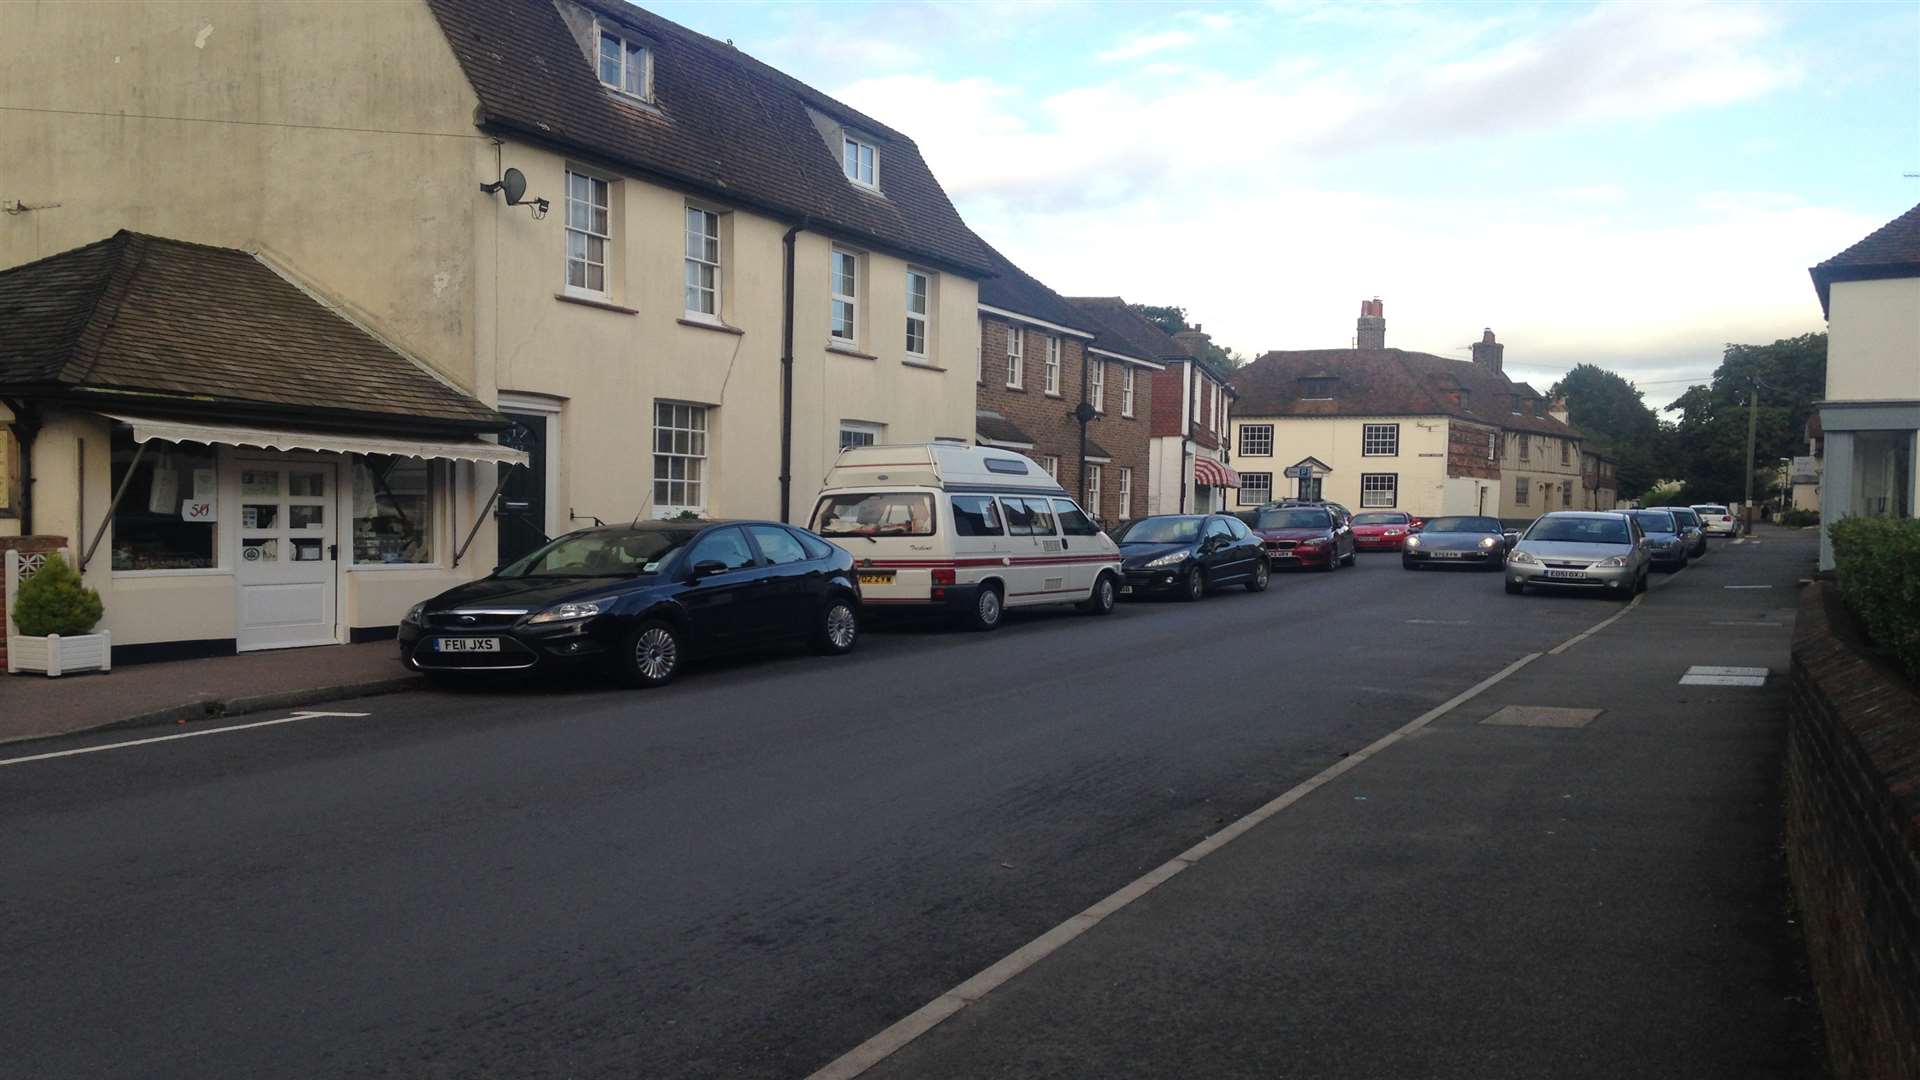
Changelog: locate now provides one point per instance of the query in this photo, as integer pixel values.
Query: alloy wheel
(841, 626)
(988, 608)
(656, 654)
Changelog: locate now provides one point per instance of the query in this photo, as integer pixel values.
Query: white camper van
(969, 529)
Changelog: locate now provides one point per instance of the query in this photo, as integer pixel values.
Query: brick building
(1040, 359)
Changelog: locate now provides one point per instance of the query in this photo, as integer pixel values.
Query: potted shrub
(55, 614)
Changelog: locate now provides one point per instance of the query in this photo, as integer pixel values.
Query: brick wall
(26, 545)
(1853, 840)
(1049, 418)
(1168, 414)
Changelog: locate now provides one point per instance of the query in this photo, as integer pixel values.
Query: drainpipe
(786, 378)
(1084, 413)
(26, 428)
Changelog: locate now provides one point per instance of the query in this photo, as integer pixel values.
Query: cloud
(1148, 44)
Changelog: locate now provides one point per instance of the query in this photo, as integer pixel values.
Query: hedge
(1878, 561)
(54, 601)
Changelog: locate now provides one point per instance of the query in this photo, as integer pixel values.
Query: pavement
(770, 863)
(34, 706)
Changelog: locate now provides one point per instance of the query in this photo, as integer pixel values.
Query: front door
(288, 554)
(522, 510)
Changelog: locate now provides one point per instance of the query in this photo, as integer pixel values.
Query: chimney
(1489, 353)
(1372, 332)
(1558, 410)
(1192, 341)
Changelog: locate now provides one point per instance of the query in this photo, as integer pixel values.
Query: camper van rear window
(1007, 465)
(890, 513)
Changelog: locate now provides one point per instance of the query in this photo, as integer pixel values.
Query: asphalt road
(743, 875)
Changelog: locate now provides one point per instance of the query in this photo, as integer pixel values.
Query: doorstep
(34, 706)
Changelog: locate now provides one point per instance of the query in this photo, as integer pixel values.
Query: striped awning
(1210, 473)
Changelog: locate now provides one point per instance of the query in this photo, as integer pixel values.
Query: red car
(1303, 536)
(1383, 530)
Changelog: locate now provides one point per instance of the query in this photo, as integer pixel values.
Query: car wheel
(838, 629)
(1105, 596)
(1195, 585)
(1351, 557)
(988, 609)
(1332, 564)
(1262, 576)
(1515, 588)
(651, 655)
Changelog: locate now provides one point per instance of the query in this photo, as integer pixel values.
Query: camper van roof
(948, 466)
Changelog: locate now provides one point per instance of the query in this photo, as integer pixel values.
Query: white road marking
(1596, 627)
(1669, 577)
(917, 1023)
(1711, 675)
(1710, 669)
(182, 735)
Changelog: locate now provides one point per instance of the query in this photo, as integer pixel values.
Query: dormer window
(1316, 388)
(626, 65)
(860, 161)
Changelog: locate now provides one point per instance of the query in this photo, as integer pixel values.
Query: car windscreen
(1464, 525)
(1161, 531)
(1379, 519)
(1655, 521)
(1580, 530)
(1292, 519)
(875, 513)
(602, 554)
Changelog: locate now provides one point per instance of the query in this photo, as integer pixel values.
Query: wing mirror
(708, 568)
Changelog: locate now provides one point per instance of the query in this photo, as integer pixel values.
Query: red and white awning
(1210, 473)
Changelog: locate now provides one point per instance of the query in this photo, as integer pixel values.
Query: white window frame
(1247, 448)
(638, 87)
(1126, 390)
(851, 298)
(1050, 370)
(1123, 489)
(1097, 385)
(594, 184)
(1093, 489)
(1051, 464)
(1380, 440)
(693, 481)
(1520, 491)
(923, 317)
(865, 430)
(697, 260)
(1369, 495)
(1245, 488)
(1016, 358)
(980, 356)
(853, 169)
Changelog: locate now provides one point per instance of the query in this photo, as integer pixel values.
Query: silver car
(1566, 549)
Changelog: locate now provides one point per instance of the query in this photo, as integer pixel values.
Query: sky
(1632, 185)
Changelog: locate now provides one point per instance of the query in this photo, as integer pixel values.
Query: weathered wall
(1853, 840)
(1873, 340)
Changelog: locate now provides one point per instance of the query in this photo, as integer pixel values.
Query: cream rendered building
(693, 307)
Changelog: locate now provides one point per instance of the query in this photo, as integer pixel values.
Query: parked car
(1580, 550)
(1383, 530)
(1313, 535)
(1667, 544)
(1344, 513)
(1459, 541)
(971, 530)
(1690, 527)
(641, 600)
(1188, 554)
(1717, 520)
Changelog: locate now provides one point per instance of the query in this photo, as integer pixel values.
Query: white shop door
(288, 556)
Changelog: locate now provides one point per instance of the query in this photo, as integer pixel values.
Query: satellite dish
(515, 184)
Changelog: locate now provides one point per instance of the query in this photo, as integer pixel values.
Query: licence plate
(1448, 554)
(876, 577)
(1573, 575)
(469, 644)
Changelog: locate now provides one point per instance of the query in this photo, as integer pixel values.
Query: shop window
(168, 518)
(392, 510)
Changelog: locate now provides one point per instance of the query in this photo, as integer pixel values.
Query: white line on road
(1596, 627)
(182, 735)
(922, 1020)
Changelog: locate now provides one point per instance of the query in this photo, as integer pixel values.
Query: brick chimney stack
(1372, 331)
(1489, 353)
(1193, 341)
(1558, 410)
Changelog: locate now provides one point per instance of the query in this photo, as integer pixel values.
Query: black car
(1187, 554)
(640, 600)
(1458, 541)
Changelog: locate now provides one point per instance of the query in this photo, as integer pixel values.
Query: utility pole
(1753, 426)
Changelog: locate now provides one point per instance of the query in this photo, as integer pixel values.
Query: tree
(1174, 319)
(1710, 440)
(1611, 412)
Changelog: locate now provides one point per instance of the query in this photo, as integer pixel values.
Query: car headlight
(415, 615)
(1315, 542)
(1614, 561)
(1392, 532)
(1169, 559)
(1523, 558)
(1489, 542)
(583, 609)
(1413, 541)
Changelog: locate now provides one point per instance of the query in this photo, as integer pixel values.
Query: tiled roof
(145, 322)
(1095, 450)
(1387, 382)
(1123, 330)
(1013, 289)
(988, 424)
(724, 124)
(1892, 250)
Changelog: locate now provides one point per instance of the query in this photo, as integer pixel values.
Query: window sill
(604, 305)
(924, 365)
(848, 350)
(702, 324)
(361, 568)
(1051, 393)
(1015, 389)
(212, 571)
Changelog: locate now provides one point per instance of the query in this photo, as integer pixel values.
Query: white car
(1717, 520)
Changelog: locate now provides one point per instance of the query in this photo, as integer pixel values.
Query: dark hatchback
(640, 600)
(1189, 554)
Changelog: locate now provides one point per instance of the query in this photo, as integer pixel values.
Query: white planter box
(56, 655)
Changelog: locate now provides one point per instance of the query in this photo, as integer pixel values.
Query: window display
(165, 521)
(392, 510)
